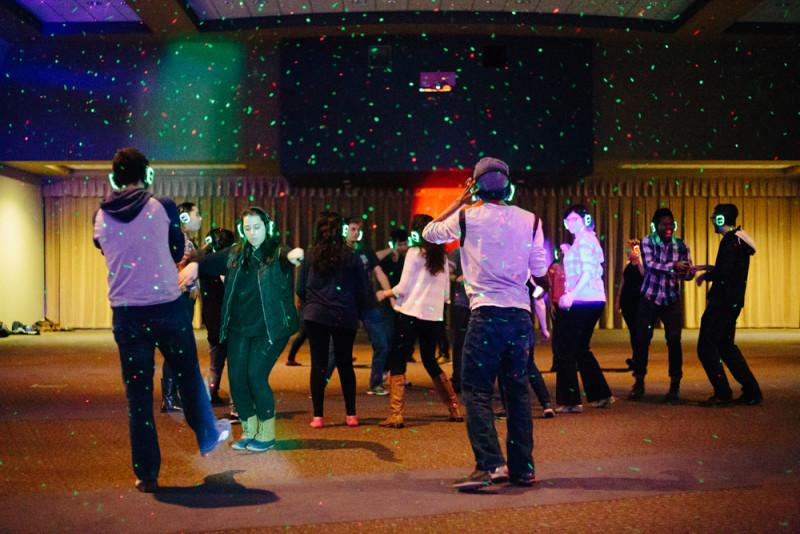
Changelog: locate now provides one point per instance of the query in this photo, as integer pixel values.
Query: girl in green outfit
(258, 317)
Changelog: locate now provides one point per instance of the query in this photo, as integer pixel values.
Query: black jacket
(729, 275)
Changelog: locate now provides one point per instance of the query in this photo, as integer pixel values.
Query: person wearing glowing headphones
(715, 344)
(501, 246)
(667, 264)
(258, 316)
(141, 240)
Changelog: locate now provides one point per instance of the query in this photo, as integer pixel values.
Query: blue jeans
(376, 331)
(498, 343)
(137, 331)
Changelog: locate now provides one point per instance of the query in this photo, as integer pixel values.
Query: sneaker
(570, 408)
(292, 363)
(351, 420)
(223, 427)
(499, 474)
(260, 446)
(380, 391)
(549, 413)
(233, 417)
(749, 400)
(476, 480)
(147, 486)
(604, 403)
(317, 422)
(525, 479)
(501, 416)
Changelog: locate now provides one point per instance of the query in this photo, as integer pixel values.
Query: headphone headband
(149, 176)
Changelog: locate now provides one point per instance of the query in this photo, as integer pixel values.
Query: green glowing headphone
(346, 231)
(149, 174)
(271, 232)
(719, 219)
(653, 227)
(414, 238)
(587, 221)
(508, 197)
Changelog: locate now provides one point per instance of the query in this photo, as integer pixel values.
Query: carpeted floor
(639, 466)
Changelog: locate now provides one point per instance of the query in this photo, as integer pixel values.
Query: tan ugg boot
(397, 389)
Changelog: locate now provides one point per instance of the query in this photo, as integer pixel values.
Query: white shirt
(419, 293)
(500, 253)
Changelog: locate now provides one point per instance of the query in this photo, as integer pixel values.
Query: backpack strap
(462, 224)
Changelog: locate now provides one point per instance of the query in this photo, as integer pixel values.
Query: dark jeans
(137, 331)
(298, 341)
(407, 330)
(459, 319)
(716, 346)
(498, 342)
(319, 339)
(373, 324)
(629, 314)
(576, 326)
(167, 373)
(250, 361)
(671, 316)
(536, 381)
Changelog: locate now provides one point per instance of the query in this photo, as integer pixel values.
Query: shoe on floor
(549, 413)
(292, 363)
(526, 479)
(604, 403)
(379, 391)
(501, 416)
(498, 475)
(476, 480)
(147, 486)
(570, 408)
(351, 420)
(223, 427)
(713, 401)
(216, 400)
(317, 422)
(749, 400)
(260, 446)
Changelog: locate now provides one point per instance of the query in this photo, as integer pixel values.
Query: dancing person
(630, 290)
(580, 308)
(499, 251)
(258, 316)
(666, 263)
(370, 316)
(716, 343)
(212, 288)
(333, 289)
(141, 241)
(420, 296)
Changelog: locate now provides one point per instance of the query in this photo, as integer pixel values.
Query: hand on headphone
(469, 191)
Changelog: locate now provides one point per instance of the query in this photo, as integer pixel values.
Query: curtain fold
(622, 207)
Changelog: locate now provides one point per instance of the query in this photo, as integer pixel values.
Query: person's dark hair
(580, 209)
(398, 234)
(186, 207)
(729, 211)
(129, 166)
(220, 239)
(351, 220)
(329, 250)
(435, 255)
(661, 213)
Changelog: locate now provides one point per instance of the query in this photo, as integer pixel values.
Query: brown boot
(397, 389)
(448, 395)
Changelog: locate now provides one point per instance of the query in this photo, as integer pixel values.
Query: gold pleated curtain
(769, 211)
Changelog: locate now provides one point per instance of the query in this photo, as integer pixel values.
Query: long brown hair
(435, 255)
(329, 249)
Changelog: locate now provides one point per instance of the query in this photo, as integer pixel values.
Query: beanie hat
(491, 177)
(729, 211)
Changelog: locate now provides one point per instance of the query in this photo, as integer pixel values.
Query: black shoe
(292, 363)
(501, 416)
(629, 363)
(147, 486)
(713, 401)
(672, 395)
(749, 400)
(526, 479)
(476, 480)
(169, 396)
(216, 400)
(637, 391)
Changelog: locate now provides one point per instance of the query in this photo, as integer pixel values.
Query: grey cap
(491, 174)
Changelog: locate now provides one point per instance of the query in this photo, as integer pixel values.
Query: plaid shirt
(662, 285)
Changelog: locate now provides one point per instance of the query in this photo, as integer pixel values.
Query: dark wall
(674, 101)
(218, 99)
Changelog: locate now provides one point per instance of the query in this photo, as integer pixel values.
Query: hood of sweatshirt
(126, 205)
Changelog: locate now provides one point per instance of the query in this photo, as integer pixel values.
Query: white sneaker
(570, 408)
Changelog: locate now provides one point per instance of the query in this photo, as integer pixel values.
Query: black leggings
(577, 325)
(319, 338)
(407, 330)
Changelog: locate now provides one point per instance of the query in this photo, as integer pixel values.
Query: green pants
(250, 361)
